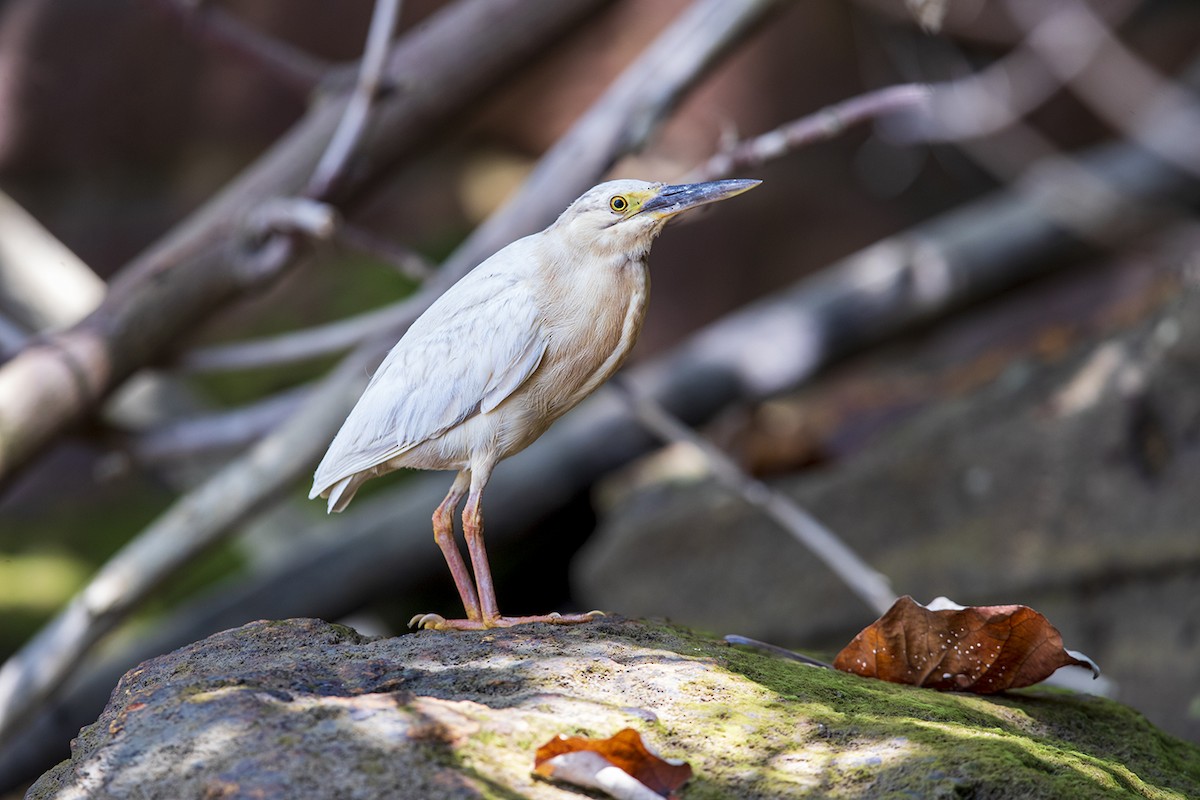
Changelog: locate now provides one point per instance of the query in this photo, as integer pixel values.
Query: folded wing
(465, 355)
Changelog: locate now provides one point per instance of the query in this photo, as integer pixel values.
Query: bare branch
(988, 101)
(297, 346)
(354, 120)
(205, 515)
(287, 215)
(980, 115)
(43, 285)
(222, 430)
(766, 347)
(295, 69)
(302, 345)
(871, 586)
(929, 14)
(407, 261)
(980, 103)
(618, 123)
(196, 269)
(169, 543)
(1120, 87)
(817, 127)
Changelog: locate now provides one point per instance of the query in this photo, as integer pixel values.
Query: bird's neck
(594, 310)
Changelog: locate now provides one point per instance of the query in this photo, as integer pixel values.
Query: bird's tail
(340, 494)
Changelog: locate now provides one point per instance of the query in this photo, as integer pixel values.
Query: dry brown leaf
(980, 649)
(574, 757)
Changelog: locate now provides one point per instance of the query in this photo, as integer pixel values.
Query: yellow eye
(618, 204)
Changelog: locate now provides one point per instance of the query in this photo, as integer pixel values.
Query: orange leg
(488, 615)
(473, 533)
(443, 534)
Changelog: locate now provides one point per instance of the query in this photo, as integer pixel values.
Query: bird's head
(624, 216)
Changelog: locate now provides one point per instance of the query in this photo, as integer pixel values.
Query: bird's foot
(440, 623)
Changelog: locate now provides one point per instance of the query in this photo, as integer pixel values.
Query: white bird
(510, 348)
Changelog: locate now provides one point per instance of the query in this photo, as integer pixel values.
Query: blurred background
(1018, 422)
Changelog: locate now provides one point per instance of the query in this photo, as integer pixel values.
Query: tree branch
(292, 67)
(222, 430)
(816, 127)
(406, 261)
(354, 120)
(1116, 84)
(43, 285)
(334, 337)
(199, 267)
(766, 347)
(202, 517)
(870, 586)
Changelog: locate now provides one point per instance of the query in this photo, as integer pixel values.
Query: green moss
(751, 726)
(347, 634)
(1038, 744)
(861, 737)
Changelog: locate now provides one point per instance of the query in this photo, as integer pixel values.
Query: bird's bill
(672, 199)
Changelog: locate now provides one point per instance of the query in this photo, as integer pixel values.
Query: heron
(516, 343)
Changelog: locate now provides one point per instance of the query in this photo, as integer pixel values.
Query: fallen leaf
(621, 765)
(590, 770)
(980, 649)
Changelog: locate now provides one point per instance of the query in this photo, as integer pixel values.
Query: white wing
(469, 351)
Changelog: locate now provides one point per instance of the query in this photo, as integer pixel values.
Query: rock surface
(303, 708)
(1066, 483)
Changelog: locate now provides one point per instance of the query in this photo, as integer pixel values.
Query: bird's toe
(427, 622)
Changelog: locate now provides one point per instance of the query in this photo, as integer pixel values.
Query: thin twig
(322, 340)
(406, 261)
(296, 346)
(983, 115)
(464, 49)
(198, 268)
(870, 586)
(980, 103)
(221, 430)
(1116, 84)
(354, 121)
(292, 67)
(690, 46)
(775, 650)
(288, 215)
(310, 214)
(966, 254)
(820, 126)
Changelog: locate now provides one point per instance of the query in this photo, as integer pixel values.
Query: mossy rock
(304, 708)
